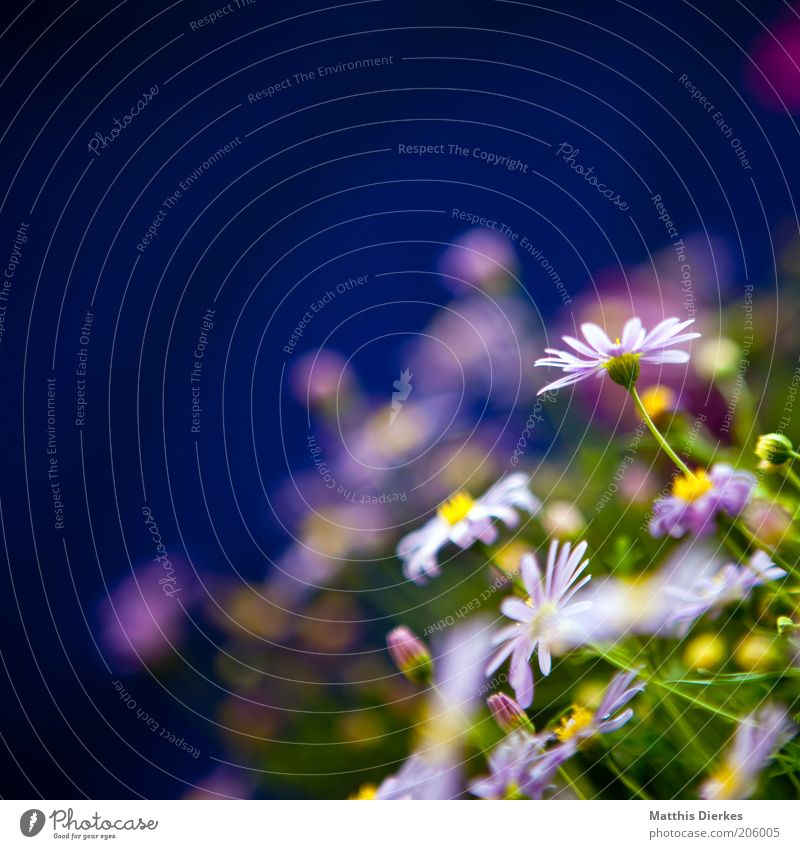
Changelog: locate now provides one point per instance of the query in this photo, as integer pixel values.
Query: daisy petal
(596, 337)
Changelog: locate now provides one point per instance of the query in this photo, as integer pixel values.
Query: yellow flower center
(577, 721)
(690, 489)
(365, 792)
(457, 508)
(658, 400)
(513, 791)
(727, 784)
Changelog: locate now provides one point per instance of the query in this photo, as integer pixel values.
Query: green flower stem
(737, 538)
(793, 478)
(745, 419)
(658, 435)
(571, 783)
(665, 685)
(789, 770)
(693, 737)
(757, 543)
(679, 720)
(512, 579)
(732, 544)
(624, 777)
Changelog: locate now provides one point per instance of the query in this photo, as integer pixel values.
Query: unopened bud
(410, 655)
(507, 713)
(784, 623)
(774, 449)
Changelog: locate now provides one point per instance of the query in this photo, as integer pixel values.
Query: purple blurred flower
(416, 779)
(523, 766)
(543, 618)
(730, 584)
(298, 573)
(601, 354)
(476, 349)
(319, 377)
(646, 604)
(480, 258)
(757, 739)
(222, 783)
(463, 521)
(582, 723)
(144, 618)
(696, 501)
(520, 768)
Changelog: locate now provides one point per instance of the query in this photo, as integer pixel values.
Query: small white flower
(463, 520)
(542, 620)
(622, 356)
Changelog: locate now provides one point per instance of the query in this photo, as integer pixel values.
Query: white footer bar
(402, 825)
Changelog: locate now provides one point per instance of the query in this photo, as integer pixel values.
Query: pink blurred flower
(772, 69)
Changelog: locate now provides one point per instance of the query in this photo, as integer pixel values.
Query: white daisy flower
(463, 520)
(542, 620)
(621, 357)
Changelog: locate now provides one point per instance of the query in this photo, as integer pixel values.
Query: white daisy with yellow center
(621, 358)
(464, 520)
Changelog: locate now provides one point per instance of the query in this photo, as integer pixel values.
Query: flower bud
(624, 369)
(784, 623)
(410, 655)
(507, 713)
(774, 449)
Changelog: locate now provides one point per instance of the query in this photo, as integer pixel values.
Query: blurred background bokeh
(249, 660)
